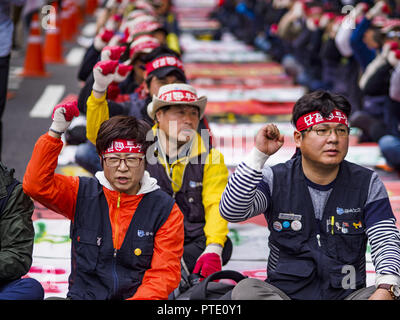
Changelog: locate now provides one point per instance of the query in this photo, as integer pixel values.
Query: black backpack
(209, 290)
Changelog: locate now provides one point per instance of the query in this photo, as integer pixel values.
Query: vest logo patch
(341, 211)
(194, 184)
(142, 233)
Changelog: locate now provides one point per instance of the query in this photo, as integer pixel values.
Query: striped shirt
(248, 194)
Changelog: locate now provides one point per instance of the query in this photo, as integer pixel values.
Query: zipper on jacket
(114, 271)
(116, 232)
(116, 224)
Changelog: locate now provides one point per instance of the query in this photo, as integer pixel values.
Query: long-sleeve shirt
(6, 25)
(59, 193)
(243, 198)
(394, 89)
(362, 53)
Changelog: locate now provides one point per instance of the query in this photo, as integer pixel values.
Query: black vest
(189, 197)
(98, 271)
(318, 260)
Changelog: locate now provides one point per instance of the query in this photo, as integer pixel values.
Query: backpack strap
(200, 291)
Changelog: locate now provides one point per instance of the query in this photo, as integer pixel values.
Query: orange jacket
(59, 193)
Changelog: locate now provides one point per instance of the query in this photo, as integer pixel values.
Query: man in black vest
(193, 173)
(320, 209)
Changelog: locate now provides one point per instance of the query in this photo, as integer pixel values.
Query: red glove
(62, 116)
(122, 72)
(103, 73)
(112, 53)
(102, 38)
(210, 261)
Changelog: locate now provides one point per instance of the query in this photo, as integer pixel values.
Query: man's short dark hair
(322, 101)
(122, 127)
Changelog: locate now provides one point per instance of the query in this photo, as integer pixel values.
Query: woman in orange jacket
(127, 235)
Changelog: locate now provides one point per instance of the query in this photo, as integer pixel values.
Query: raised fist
(103, 73)
(112, 53)
(122, 72)
(268, 139)
(102, 38)
(62, 116)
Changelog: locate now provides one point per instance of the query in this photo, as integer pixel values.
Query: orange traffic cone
(66, 33)
(53, 43)
(34, 64)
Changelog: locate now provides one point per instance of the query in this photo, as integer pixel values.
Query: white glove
(111, 53)
(103, 73)
(312, 24)
(389, 46)
(122, 72)
(380, 8)
(394, 58)
(102, 38)
(62, 116)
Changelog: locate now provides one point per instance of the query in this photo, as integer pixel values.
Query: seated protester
(135, 106)
(320, 209)
(92, 55)
(127, 234)
(390, 143)
(168, 19)
(133, 56)
(374, 119)
(188, 169)
(366, 38)
(16, 241)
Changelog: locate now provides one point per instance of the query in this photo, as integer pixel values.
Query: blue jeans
(86, 156)
(390, 147)
(22, 289)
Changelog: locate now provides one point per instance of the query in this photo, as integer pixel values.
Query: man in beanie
(127, 234)
(320, 209)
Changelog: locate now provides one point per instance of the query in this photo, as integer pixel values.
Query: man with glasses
(320, 209)
(127, 235)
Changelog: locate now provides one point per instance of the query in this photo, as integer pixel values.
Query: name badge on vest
(289, 216)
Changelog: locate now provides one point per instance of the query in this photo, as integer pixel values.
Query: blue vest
(318, 259)
(188, 198)
(98, 271)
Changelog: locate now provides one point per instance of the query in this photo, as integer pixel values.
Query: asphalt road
(20, 130)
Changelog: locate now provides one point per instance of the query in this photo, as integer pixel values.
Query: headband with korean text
(124, 146)
(310, 119)
(167, 61)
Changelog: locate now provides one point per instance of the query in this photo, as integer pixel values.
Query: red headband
(178, 95)
(310, 119)
(168, 61)
(124, 146)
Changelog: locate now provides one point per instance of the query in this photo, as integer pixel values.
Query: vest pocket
(347, 241)
(292, 275)
(195, 211)
(139, 254)
(345, 277)
(87, 249)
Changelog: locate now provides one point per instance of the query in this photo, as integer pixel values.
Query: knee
(33, 288)
(244, 290)
(386, 143)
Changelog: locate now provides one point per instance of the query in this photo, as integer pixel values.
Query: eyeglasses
(326, 132)
(130, 162)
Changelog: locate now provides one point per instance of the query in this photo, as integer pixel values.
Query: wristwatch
(393, 289)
